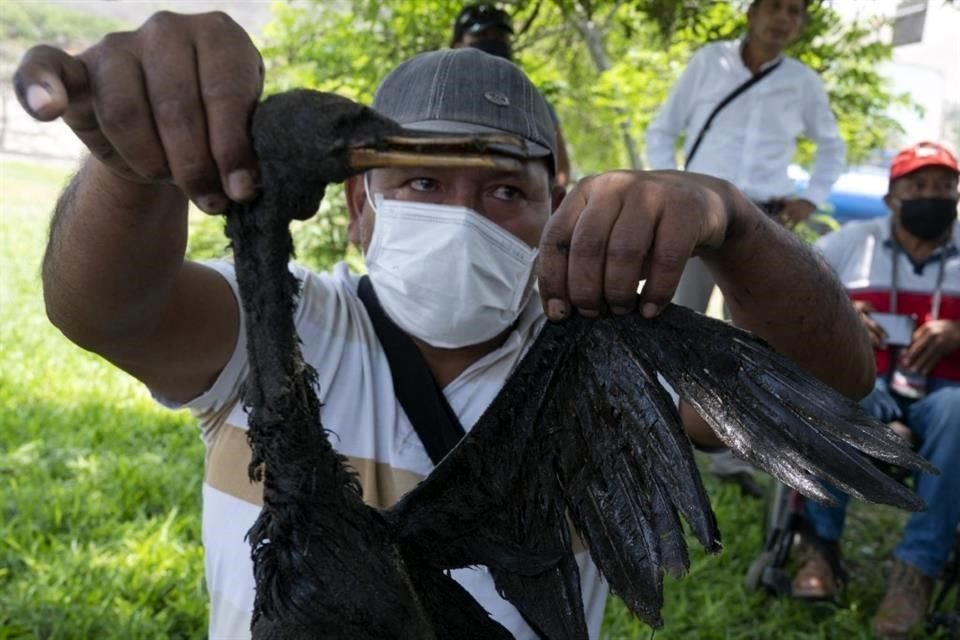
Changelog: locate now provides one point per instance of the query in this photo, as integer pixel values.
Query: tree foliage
(24, 21)
(606, 65)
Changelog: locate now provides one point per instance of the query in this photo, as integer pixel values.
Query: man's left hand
(932, 342)
(796, 211)
(616, 229)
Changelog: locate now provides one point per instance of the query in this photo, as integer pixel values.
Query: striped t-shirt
(862, 255)
(367, 425)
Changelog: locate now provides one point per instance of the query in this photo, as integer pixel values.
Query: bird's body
(581, 430)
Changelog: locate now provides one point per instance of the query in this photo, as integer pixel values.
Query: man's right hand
(878, 337)
(169, 102)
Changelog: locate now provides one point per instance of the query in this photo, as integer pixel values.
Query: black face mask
(927, 218)
(495, 47)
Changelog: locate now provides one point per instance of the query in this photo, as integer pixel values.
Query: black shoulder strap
(417, 390)
(723, 103)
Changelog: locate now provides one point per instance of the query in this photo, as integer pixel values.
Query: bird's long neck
(284, 417)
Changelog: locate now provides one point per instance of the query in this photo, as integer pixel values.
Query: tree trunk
(593, 38)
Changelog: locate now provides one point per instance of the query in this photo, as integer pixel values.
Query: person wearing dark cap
(485, 27)
(469, 263)
(903, 275)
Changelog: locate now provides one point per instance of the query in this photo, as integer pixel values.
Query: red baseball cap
(922, 154)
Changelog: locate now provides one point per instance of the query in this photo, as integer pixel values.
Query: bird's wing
(630, 472)
(583, 427)
(495, 500)
(772, 413)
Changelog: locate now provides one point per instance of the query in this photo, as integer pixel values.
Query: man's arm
(673, 117)
(780, 289)
(616, 229)
(161, 128)
(115, 282)
(820, 125)
(784, 292)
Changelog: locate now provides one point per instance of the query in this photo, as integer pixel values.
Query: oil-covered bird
(582, 440)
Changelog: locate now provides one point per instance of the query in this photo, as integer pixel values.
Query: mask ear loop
(366, 192)
(373, 207)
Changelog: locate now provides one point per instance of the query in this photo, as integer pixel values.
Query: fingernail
(557, 309)
(620, 311)
(649, 310)
(588, 313)
(212, 204)
(241, 185)
(38, 97)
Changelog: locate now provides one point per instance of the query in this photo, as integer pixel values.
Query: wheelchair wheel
(777, 514)
(764, 573)
(764, 561)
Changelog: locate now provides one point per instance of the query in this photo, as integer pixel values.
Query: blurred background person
(903, 274)
(741, 105)
(485, 27)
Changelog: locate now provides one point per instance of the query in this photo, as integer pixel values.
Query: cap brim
(531, 150)
(916, 166)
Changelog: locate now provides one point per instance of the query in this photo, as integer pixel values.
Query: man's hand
(796, 211)
(613, 230)
(931, 342)
(169, 102)
(878, 337)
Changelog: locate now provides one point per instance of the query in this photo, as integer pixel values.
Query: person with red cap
(903, 275)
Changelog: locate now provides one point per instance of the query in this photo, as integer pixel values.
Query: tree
(606, 65)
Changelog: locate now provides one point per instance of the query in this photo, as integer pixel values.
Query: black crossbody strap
(417, 391)
(723, 103)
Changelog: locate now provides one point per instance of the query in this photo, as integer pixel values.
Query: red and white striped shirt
(862, 255)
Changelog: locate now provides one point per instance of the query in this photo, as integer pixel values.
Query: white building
(926, 65)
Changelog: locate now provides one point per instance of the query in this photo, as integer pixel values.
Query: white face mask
(447, 275)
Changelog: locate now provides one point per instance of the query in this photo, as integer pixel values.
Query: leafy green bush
(319, 242)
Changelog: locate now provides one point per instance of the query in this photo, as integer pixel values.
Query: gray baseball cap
(469, 91)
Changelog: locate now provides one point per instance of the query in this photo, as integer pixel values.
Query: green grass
(99, 486)
(100, 494)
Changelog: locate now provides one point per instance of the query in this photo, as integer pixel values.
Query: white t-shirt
(751, 142)
(366, 424)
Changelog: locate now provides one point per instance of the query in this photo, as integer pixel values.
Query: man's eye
(505, 192)
(423, 184)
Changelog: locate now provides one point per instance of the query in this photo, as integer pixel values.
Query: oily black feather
(771, 412)
(581, 434)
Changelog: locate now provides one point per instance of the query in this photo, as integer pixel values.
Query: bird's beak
(420, 149)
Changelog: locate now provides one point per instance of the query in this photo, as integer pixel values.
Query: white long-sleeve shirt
(751, 142)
